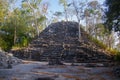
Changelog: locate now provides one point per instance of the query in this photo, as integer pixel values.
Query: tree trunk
(66, 14)
(37, 29)
(95, 32)
(15, 36)
(77, 15)
(79, 32)
(36, 26)
(86, 23)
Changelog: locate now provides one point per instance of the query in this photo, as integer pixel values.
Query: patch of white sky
(53, 6)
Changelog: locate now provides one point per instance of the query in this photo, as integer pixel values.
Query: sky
(54, 6)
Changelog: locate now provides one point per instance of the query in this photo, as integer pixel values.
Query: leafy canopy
(113, 14)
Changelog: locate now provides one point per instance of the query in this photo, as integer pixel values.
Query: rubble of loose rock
(116, 71)
(7, 60)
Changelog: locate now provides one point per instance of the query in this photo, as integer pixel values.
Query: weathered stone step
(60, 40)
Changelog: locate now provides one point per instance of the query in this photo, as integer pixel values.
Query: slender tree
(64, 3)
(34, 6)
(79, 10)
(94, 9)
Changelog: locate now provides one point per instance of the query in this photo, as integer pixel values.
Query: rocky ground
(7, 60)
(31, 70)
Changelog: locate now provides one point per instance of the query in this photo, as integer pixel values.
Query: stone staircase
(60, 41)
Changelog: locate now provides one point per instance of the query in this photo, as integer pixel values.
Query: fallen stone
(116, 71)
(54, 61)
(7, 60)
(44, 78)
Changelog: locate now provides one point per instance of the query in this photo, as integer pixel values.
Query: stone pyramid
(60, 40)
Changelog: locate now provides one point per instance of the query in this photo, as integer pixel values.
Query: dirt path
(30, 70)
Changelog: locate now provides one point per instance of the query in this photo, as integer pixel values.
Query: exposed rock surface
(60, 41)
(116, 71)
(33, 70)
(7, 60)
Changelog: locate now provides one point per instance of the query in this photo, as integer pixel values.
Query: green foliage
(97, 42)
(8, 30)
(19, 25)
(24, 41)
(117, 56)
(64, 2)
(5, 42)
(112, 51)
(5, 38)
(101, 31)
(58, 13)
(113, 14)
(41, 19)
(100, 44)
(3, 8)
